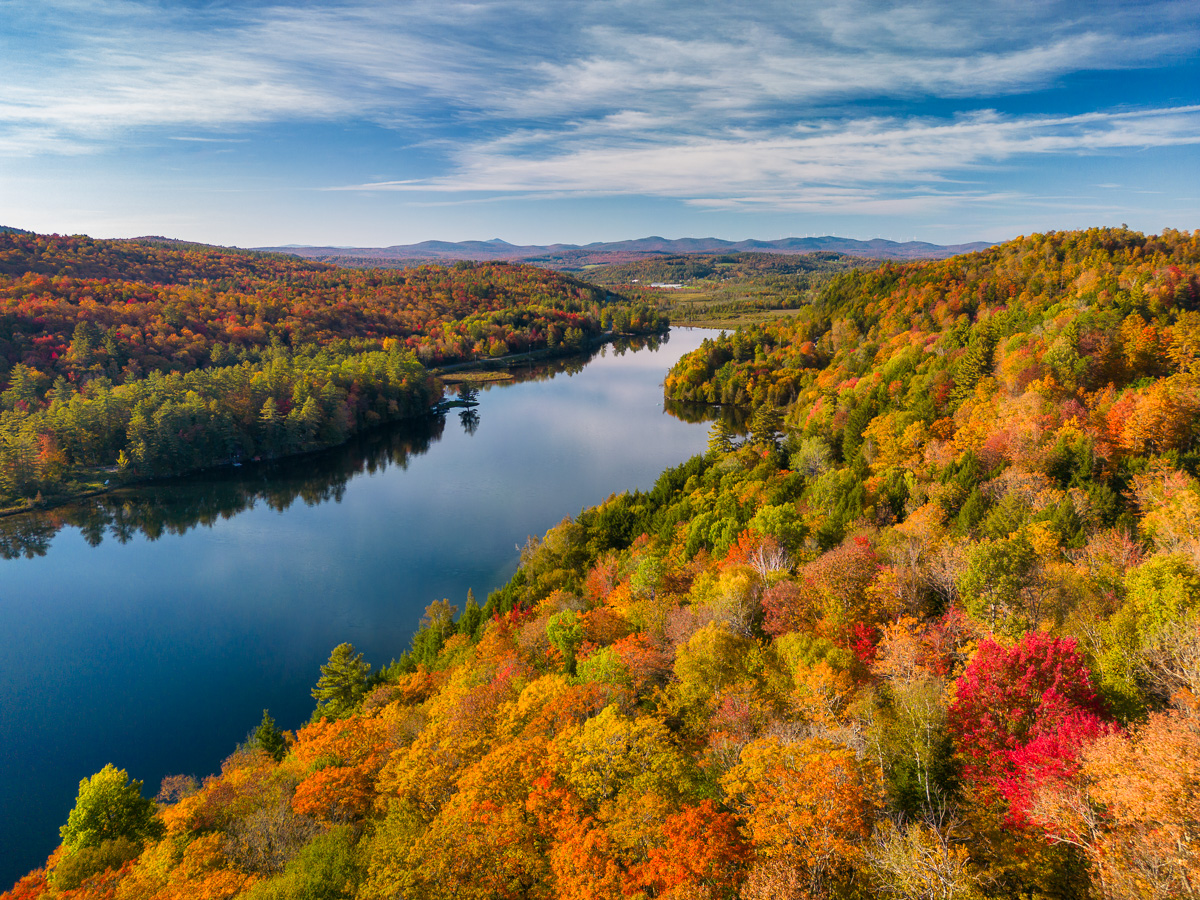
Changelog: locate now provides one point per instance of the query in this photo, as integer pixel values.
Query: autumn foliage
(154, 358)
(930, 629)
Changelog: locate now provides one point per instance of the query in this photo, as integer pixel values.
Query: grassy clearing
(729, 320)
(476, 377)
(721, 306)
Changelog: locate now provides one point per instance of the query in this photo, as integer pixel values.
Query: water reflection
(178, 505)
(736, 417)
(158, 654)
(470, 421)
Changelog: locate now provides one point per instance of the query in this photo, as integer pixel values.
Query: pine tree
(975, 364)
(269, 738)
(720, 438)
(472, 616)
(764, 426)
(342, 684)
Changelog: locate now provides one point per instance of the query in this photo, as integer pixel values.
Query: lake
(150, 627)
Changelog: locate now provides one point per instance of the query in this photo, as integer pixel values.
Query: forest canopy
(150, 358)
(928, 628)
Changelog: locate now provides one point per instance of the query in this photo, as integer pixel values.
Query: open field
(728, 290)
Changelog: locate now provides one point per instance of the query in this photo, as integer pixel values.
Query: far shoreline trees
(124, 360)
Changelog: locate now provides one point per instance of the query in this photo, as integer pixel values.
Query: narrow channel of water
(150, 628)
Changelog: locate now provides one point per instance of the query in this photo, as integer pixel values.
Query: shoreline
(496, 365)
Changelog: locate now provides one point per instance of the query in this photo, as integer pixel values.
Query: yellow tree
(809, 808)
(485, 842)
(1148, 785)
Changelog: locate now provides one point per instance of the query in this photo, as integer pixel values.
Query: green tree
(78, 865)
(975, 363)
(109, 806)
(765, 425)
(269, 738)
(565, 632)
(1162, 602)
(342, 684)
(435, 627)
(271, 426)
(325, 869)
(991, 585)
(720, 437)
(472, 616)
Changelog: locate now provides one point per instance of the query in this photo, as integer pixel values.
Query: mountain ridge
(577, 255)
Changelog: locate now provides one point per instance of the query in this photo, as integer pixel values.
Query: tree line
(140, 359)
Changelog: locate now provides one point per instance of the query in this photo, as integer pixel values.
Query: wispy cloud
(81, 74)
(869, 165)
(208, 140)
(875, 107)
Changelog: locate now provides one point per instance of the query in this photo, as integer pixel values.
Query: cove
(151, 626)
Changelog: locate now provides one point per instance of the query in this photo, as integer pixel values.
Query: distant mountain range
(579, 256)
(575, 256)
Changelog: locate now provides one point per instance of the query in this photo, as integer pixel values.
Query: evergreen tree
(974, 364)
(472, 616)
(269, 738)
(764, 426)
(342, 684)
(720, 438)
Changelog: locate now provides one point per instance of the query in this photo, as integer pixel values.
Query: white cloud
(79, 74)
(208, 140)
(785, 105)
(846, 165)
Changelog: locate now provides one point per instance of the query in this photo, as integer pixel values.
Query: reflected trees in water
(470, 420)
(175, 506)
(178, 505)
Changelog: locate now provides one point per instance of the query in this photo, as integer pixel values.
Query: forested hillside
(157, 358)
(930, 630)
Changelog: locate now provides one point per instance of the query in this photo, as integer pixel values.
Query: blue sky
(363, 123)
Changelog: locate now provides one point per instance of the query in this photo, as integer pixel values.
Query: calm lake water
(150, 629)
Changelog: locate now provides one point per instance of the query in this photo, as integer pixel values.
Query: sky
(541, 121)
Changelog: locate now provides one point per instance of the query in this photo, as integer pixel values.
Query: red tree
(1023, 714)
